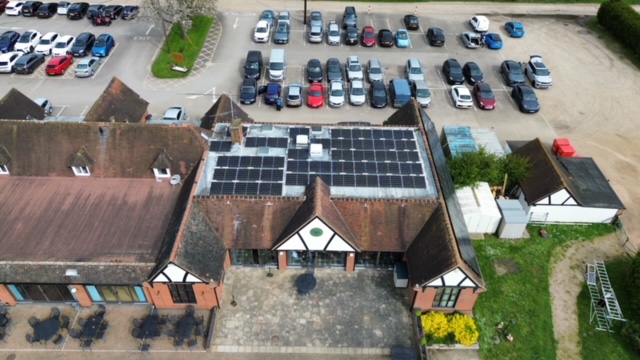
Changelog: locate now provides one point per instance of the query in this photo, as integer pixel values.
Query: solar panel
(220, 146)
(221, 188)
(297, 154)
(295, 131)
(326, 143)
(280, 142)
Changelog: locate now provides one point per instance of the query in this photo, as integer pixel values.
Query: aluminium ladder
(597, 311)
(613, 308)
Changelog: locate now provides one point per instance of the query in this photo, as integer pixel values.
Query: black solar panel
(297, 154)
(220, 146)
(326, 143)
(278, 142)
(295, 131)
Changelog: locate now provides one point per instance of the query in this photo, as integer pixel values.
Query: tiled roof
(544, 176)
(82, 158)
(118, 103)
(88, 273)
(224, 110)
(5, 157)
(17, 106)
(163, 161)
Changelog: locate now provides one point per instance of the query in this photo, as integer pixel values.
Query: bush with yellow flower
(441, 328)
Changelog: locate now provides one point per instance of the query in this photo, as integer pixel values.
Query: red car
(484, 95)
(58, 64)
(315, 95)
(3, 5)
(368, 36)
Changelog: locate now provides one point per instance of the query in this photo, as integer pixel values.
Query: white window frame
(158, 174)
(4, 170)
(81, 170)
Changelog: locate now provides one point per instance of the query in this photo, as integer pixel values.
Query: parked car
(336, 94)
(315, 95)
(253, 64)
(333, 35)
(47, 10)
(472, 73)
(45, 45)
(354, 68)
(375, 71)
(63, 7)
(435, 36)
(385, 38)
(281, 35)
(357, 93)
(402, 38)
(334, 70)
(315, 19)
(452, 72)
(413, 70)
(484, 95)
(113, 11)
(263, 30)
(8, 41)
(461, 97)
(378, 94)
(30, 8)
(514, 29)
(368, 36)
(77, 10)
(129, 12)
(349, 17)
(421, 93)
(411, 22)
(479, 23)
(59, 64)
(294, 95)
(28, 63)
(525, 98)
(285, 17)
(512, 73)
(8, 60)
(45, 104)
(83, 44)
(87, 67)
(248, 91)
(268, 16)
(63, 45)
(538, 72)
(175, 113)
(14, 8)
(95, 10)
(351, 36)
(493, 41)
(314, 71)
(471, 40)
(28, 41)
(316, 27)
(274, 91)
(103, 45)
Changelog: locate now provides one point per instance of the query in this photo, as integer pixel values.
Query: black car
(512, 73)
(248, 91)
(378, 94)
(351, 36)
(411, 22)
(253, 64)
(28, 63)
(8, 40)
(334, 70)
(113, 11)
(472, 73)
(94, 10)
(526, 99)
(314, 71)
(452, 72)
(385, 38)
(30, 8)
(435, 36)
(77, 10)
(47, 10)
(129, 12)
(83, 44)
(349, 18)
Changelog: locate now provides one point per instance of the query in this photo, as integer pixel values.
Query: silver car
(294, 95)
(316, 27)
(413, 70)
(375, 71)
(176, 113)
(87, 67)
(336, 94)
(354, 68)
(44, 104)
(357, 93)
(334, 36)
(284, 16)
(420, 91)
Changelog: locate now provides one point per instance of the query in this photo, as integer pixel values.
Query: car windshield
(266, 15)
(5, 39)
(314, 69)
(379, 92)
(61, 45)
(402, 35)
(315, 92)
(455, 70)
(369, 35)
(79, 43)
(516, 70)
(542, 71)
(476, 72)
(357, 91)
(487, 94)
(277, 66)
(281, 30)
(25, 38)
(337, 92)
(82, 66)
(413, 21)
(248, 90)
(423, 93)
(101, 42)
(261, 30)
(375, 70)
(252, 65)
(355, 67)
(465, 97)
(416, 70)
(334, 32)
(529, 97)
(45, 42)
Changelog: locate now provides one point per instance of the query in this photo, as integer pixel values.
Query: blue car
(104, 44)
(274, 91)
(8, 41)
(402, 38)
(493, 41)
(515, 29)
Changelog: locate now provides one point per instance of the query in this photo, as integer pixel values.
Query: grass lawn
(190, 48)
(523, 293)
(598, 345)
(611, 42)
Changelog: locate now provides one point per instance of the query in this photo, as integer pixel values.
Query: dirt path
(567, 277)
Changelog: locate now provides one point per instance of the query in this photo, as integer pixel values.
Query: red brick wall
(424, 299)
(82, 295)
(6, 297)
(160, 296)
(351, 262)
(227, 260)
(282, 260)
(466, 301)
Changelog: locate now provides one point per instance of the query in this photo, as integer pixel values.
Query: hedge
(622, 21)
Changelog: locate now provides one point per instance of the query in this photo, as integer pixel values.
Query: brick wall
(351, 262)
(206, 296)
(282, 260)
(6, 297)
(467, 301)
(423, 300)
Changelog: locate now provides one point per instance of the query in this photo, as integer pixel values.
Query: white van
(277, 65)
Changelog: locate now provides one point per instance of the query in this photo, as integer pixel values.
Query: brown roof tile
(544, 176)
(17, 106)
(224, 110)
(118, 103)
(5, 157)
(163, 161)
(81, 159)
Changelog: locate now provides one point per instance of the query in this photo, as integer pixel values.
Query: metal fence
(623, 238)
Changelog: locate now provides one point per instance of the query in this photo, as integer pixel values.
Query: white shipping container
(480, 211)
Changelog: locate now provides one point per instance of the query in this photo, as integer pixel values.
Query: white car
(354, 68)
(413, 70)
(63, 6)
(45, 104)
(479, 23)
(28, 41)
(334, 36)
(336, 94)
(263, 30)
(357, 93)
(7, 60)
(14, 8)
(176, 113)
(45, 46)
(461, 96)
(63, 45)
(538, 72)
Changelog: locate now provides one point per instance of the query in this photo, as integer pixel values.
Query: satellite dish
(175, 180)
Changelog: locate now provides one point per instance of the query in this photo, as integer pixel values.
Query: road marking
(141, 38)
(150, 27)
(84, 111)
(388, 24)
(235, 24)
(61, 110)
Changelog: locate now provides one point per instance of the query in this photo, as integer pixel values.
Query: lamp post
(305, 12)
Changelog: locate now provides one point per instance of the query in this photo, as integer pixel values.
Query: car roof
(271, 86)
(172, 112)
(483, 86)
(104, 36)
(357, 83)
(461, 89)
(420, 84)
(353, 58)
(378, 84)
(511, 63)
(64, 38)
(471, 64)
(249, 82)
(56, 60)
(452, 62)
(414, 62)
(333, 61)
(314, 62)
(295, 89)
(85, 60)
(369, 28)
(262, 23)
(374, 63)
(49, 34)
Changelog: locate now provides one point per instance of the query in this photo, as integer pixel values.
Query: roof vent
(263, 151)
(315, 150)
(316, 129)
(302, 140)
(71, 272)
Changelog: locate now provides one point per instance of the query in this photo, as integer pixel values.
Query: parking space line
(84, 111)
(103, 63)
(61, 110)
(388, 24)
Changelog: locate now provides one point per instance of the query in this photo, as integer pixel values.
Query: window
(162, 173)
(446, 297)
(4, 170)
(377, 260)
(182, 294)
(81, 170)
(41, 293)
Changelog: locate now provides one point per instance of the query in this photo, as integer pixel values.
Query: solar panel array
(248, 175)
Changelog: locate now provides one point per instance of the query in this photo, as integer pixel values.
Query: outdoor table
(91, 327)
(45, 330)
(185, 327)
(306, 283)
(149, 327)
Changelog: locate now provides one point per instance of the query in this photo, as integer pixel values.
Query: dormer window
(81, 170)
(80, 163)
(162, 165)
(162, 173)
(5, 158)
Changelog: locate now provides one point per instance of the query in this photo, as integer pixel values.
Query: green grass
(612, 43)
(190, 48)
(597, 345)
(523, 296)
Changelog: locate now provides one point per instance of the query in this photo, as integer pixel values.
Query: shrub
(464, 329)
(633, 287)
(631, 332)
(448, 329)
(435, 324)
(623, 21)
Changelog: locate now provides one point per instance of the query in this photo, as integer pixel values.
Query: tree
(470, 168)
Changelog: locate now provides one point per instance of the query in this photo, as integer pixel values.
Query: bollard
(369, 10)
(415, 11)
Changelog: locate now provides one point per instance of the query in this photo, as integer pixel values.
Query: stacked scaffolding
(604, 304)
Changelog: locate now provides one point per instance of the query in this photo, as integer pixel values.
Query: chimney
(236, 131)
